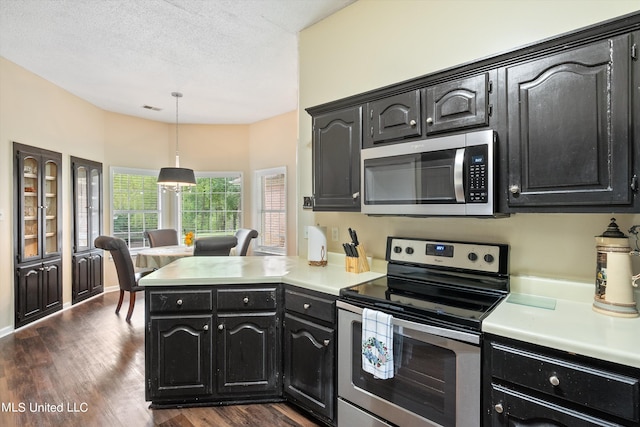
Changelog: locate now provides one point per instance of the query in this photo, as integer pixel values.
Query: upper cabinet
(568, 138)
(393, 118)
(337, 139)
(38, 180)
(459, 104)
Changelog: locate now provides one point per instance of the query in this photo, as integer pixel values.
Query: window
(134, 204)
(271, 198)
(214, 205)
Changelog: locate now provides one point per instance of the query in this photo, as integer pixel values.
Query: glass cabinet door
(31, 208)
(95, 208)
(50, 211)
(81, 208)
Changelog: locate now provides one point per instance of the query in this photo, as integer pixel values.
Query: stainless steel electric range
(438, 293)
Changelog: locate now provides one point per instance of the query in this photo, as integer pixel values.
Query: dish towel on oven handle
(377, 343)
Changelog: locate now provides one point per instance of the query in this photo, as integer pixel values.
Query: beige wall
(36, 112)
(374, 43)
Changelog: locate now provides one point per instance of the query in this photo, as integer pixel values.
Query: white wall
(375, 43)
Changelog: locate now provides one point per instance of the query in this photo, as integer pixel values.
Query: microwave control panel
(477, 167)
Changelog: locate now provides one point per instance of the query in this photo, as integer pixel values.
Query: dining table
(160, 256)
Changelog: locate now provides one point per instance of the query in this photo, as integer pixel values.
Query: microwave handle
(458, 173)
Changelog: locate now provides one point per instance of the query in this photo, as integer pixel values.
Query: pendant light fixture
(173, 179)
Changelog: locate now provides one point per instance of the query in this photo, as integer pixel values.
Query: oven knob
(409, 250)
(397, 249)
(488, 258)
(472, 256)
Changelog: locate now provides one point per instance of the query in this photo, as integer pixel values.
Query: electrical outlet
(305, 232)
(334, 234)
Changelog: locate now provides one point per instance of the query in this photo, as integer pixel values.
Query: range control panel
(488, 258)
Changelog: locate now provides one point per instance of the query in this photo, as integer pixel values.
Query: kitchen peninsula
(228, 329)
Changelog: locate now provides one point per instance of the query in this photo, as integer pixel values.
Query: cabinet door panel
(337, 139)
(309, 365)
(181, 357)
(247, 354)
(393, 118)
(29, 293)
(81, 276)
(568, 134)
(458, 104)
(52, 284)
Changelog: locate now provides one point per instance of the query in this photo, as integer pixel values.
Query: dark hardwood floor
(85, 367)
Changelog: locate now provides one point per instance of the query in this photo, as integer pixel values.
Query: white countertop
(212, 270)
(558, 314)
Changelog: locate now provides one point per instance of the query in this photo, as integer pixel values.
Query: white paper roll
(317, 239)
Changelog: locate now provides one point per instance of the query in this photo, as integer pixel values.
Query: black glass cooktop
(440, 304)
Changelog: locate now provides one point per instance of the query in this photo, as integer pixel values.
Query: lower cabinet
(87, 275)
(38, 290)
(310, 352)
(527, 385)
(229, 344)
(212, 345)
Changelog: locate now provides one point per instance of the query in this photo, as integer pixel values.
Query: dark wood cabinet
(38, 231)
(248, 343)
(337, 140)
(526, 384)
(569, 141)
(181, 360)
(179, 344)
(459, 104)
(212, 344)
(393, 118)
(87, 278)
(310, 352)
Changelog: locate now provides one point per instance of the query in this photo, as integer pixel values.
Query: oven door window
(424, 379)
(411, 179)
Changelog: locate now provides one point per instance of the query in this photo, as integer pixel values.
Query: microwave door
(391, 181)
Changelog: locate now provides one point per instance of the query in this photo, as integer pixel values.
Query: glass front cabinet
(87, 225)
(37, 226)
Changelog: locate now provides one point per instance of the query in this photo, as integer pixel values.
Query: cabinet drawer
(577, 383)
(319, 308)
(180, 300)
(247, 299)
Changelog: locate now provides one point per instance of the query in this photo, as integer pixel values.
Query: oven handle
(428, 329)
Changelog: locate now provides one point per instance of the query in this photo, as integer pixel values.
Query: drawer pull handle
(220, 326)
(246, 300)
(499, 409)
(205, 327)
(429, 121)
(306, 306)
(554, 380)
(412, 123)
(179, 302)
(326, 343)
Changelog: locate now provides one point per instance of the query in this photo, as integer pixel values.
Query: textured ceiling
(235, 61)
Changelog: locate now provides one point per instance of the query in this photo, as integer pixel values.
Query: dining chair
(214, 245)
(127, 277)
(162, 237)
(244, 236)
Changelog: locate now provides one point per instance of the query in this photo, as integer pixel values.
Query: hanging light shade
(175, 178)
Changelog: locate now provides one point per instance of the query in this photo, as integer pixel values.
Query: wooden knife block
(359, 264)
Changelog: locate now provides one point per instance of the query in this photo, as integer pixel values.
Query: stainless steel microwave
(451, 175)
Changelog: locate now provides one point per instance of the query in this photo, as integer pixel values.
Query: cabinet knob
(306, 306)
(205, 328)
(429, 121)
(245, 300)
(326, 343)
(555, 381)
(412, 123)
(221, 326)
(514, 189)
(355, 195)
(179, 302)
(498, 407)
